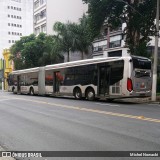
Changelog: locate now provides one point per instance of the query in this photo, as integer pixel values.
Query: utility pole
(154, 80)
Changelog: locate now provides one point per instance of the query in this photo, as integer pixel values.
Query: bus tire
(31, 91)
(77, 93)
(90, 94)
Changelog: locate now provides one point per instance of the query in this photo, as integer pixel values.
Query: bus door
(56, 82)
(18, 83)
(104, 80)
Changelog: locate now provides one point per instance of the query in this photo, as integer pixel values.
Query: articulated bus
(109, 78)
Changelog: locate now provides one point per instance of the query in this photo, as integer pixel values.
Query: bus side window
(116, 75)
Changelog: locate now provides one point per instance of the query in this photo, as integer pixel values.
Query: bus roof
(83, 62)
(25, 70)
(140, 57)
(76, 63)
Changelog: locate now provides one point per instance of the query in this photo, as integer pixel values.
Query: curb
(140, 100)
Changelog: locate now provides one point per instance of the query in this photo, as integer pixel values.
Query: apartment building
(16, 20)
(112, 43)
(47, 12)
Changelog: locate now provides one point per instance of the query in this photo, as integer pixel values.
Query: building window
(43, 14)
(8, 15)
(8, 24)
(8, 7)
(115, 53)
(37, 30)
(43, 28)
(36, 17)
(42, 2)
(36, 4)
(9, 32)
(115, 44)
(9, 41)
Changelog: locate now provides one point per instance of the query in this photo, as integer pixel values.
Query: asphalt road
(35, 123)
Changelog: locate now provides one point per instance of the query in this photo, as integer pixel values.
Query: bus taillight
(129, 85)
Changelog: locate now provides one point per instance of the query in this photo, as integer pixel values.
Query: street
(36, 123)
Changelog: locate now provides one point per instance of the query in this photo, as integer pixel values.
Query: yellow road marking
(95, 111)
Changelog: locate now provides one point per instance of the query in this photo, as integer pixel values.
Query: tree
(81, 37)
(31, 51)
(73, 36)
(17, 51)
(139, 19)
(65, 37)
(52, 54)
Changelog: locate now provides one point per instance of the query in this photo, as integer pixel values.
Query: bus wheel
(77, 93)
(31, 91)
(90, 94)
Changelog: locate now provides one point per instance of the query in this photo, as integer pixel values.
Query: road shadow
(130, 101)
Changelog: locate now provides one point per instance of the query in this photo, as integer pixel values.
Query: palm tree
(81, 38)
(72, 36)
(52, 53)
(65, 37)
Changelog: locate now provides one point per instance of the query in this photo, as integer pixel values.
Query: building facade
(112, 43)
(47, 12)
(16, 20)
(8, 67)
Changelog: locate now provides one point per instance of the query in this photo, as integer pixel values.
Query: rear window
(141, 63)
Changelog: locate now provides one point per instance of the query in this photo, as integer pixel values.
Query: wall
(63, 11)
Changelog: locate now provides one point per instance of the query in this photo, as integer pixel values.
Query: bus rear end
(140, 82)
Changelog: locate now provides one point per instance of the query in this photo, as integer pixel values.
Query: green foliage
(82, 39)
(30, 51)
(101, 10)
(72, 36)
(52, 52)
(65, 37)
(139, 18)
